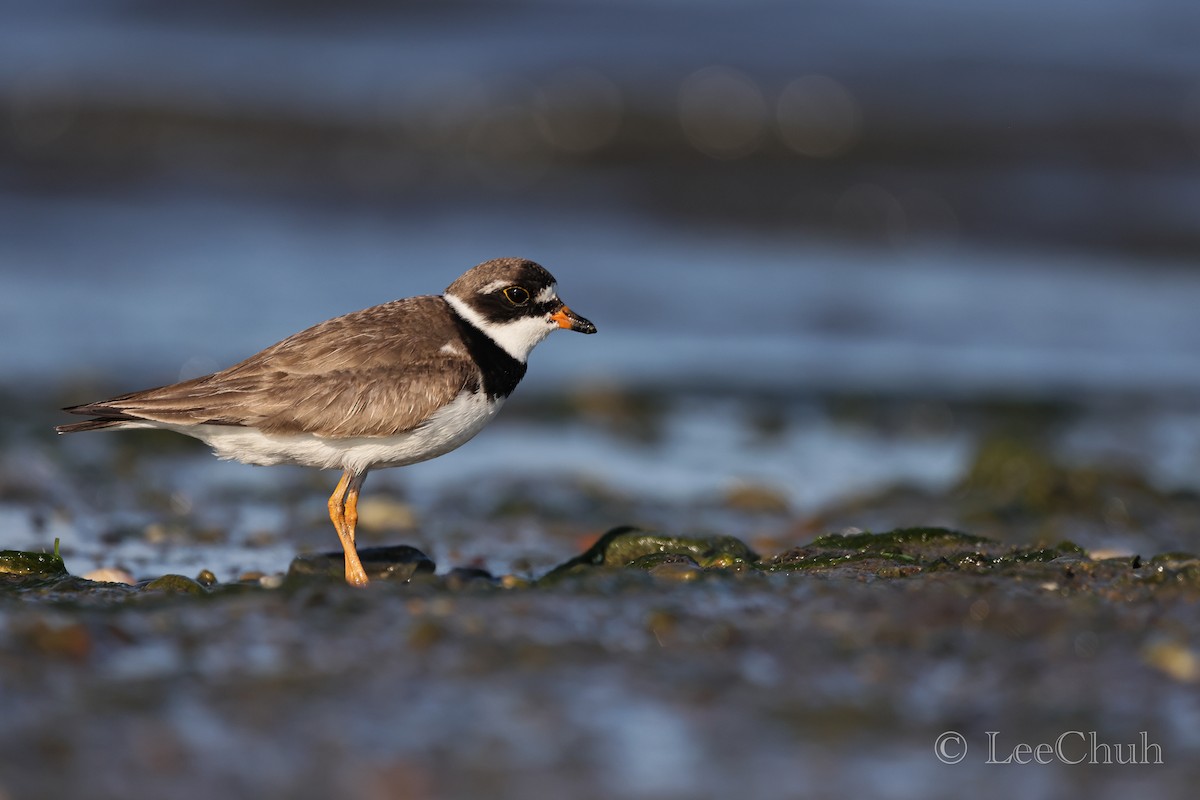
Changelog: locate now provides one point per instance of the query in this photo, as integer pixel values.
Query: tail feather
(106, 417)
(90, 425)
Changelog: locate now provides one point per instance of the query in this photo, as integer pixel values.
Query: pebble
(273, 581)
(461, 577)
(1175, 659)
(515, 582)
(174, 584)
(110, 575)
(680, 571)
(1110, 552)
(384, 514)
(757, 499)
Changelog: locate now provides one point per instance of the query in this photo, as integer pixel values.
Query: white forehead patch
(495, 286)
(547, 294)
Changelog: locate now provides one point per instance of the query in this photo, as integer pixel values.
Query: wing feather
(376, 372)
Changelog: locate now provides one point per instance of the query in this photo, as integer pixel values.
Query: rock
(394, 563)
(38, 565)
(622, 547)
(907, 551)
(463, 577)
(206, 578)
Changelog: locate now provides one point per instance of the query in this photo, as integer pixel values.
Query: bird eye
(516, 295)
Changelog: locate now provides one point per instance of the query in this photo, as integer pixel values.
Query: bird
(388, 386)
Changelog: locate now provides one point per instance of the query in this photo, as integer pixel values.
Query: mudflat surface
(744, 647)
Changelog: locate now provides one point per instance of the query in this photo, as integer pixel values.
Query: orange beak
(566, 318)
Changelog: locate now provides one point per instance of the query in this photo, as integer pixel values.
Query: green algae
(907, 551)
(1173, 559)
(904, 547)
(1180, 570)
(631, 555)
(1064, 549)
(26, 564)
(629, 546)
(898, 538)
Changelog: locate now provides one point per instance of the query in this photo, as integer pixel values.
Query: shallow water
(555, 470)
(153, 286)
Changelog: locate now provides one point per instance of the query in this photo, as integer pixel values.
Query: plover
(387, 386)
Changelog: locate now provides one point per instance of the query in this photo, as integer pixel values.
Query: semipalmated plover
(387, 386)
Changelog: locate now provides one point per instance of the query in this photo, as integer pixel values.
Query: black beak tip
(566, 318)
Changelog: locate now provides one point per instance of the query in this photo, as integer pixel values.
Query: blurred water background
(835, 249)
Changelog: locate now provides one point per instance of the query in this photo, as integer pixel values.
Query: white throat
(517, 337)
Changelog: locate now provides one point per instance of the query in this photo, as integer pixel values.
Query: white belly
(449, 428)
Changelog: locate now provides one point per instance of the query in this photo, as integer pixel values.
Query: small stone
(174, 584)
(155, 533)
(71, 640)
(385, 514)
(757, 499)
(1110, 552)
(260, 539)
(209, 535)
(678, 570)
(425, 633)
(206, 578)
(462, 577)
(1175, 659)
(272, 581)
(110, 575)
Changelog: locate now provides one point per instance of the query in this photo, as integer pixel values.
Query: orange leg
(343, 512)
